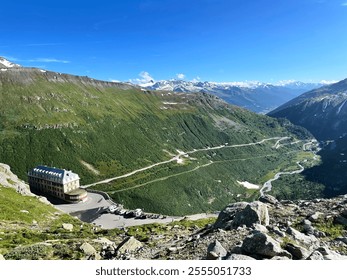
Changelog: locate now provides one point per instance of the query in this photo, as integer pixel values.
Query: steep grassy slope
(102, 130)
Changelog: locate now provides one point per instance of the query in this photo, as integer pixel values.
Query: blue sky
(212, 40)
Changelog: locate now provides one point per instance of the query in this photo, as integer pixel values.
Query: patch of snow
(170, 103)
(7, 63)
(43, 71)
(3, 69)
(248, 185)
(339, 109)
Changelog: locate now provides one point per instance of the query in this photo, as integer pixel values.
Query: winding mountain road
(178, 159)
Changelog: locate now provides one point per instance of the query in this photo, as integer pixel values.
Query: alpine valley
(168, 153)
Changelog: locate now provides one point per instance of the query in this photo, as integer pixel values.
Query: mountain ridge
(255, 96)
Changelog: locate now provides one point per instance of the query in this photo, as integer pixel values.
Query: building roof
(53, 174)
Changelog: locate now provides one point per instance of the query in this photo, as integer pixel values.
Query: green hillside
(102, 130)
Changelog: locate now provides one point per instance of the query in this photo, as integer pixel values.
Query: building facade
(60, 183)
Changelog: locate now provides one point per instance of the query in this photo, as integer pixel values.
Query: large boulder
(263, 245)
(216, 251)
(226, 216)
(254, 213)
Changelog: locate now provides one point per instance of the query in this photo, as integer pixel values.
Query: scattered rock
(263, 245)
(254, 213)
(330, 255)
(315, 217)
(260, 228)
(342, 239)
(130, 244)
(216, 251)
(2, 258)
(104, 241)
(344, 213)
(87, 249)
(269, 199)
(44, 200)
(341, 220)
(24, 211)
(316, 256)
(280, 258)
(308, 240)
(298, 252)
(307, 227)
(237, 257)
(68, 227)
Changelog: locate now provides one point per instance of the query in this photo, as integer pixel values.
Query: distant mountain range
(322, 111)
(254, 96)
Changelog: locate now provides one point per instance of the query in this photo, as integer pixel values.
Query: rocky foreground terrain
(264, 229)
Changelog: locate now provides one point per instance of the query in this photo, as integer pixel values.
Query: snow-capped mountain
(252, 95)
(322, 111)
(4, 64)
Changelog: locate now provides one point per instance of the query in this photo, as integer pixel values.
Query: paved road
(93, 211)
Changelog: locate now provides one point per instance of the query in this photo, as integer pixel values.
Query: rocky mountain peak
(5, 64)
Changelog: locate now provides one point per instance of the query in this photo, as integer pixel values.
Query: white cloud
(196, 80)
(344, 4)
(180, 76)
(48, 60)
(145, 79)
(44, 60)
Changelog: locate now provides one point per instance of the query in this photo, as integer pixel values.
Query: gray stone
(298, 252)
(308, 240)
(280, 258)
(216, 251)
(307, 227)
(330, 255)
(316, 256)
(104, 241)
(260, 228)
(238, 257)
(254, 213)
(266, 198)
(261, 244)
(68, 227)
(344, 213)
(130, 244)
(341, 220)
(342, 239)
(226, 216)
(87, 249)
(44, 200)
(315, 217)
